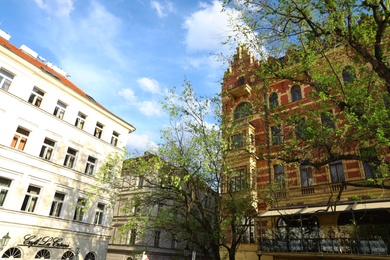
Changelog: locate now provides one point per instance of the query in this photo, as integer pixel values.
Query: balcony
(317, 245)
(240, 88)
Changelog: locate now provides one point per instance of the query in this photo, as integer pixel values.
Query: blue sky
(126, 53)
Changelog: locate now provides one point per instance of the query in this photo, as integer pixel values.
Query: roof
(63, 79)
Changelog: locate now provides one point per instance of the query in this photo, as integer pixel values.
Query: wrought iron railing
(374, 246)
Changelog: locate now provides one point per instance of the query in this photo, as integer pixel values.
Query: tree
(340, 49)
(182, 181)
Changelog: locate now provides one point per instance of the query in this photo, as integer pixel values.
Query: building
(303, 212)
(152, 243)
(54, 139)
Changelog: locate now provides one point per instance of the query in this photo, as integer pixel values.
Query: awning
(281, 212)
(373, 205)
(326, 210)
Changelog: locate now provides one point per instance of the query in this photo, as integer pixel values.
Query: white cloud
(150, 108)
(206, 28)
(163, 9)
(128, 95)
(60, 8)
(140, 143)
(149, 85)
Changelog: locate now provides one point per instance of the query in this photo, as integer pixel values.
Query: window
(173, 243)
(238, 180)
(68, 255)
(114, 138)
(241, 81)
(59, 110)
(47, 149)
(296, 93)
(43, 254)
(157, 235)
(337, 171)
(12, 252)
(370, 163)
(326, 120)
(57, 204)
(306, 176)
(98, 130)
(273, 100)
(5, 79)
(99, 214)
(248, 226)
(79, 210)
(91, 162)
(276, 134)
(36, 97)
(279, 176)
(140, 182)
(80, 120)
(4, 188)
(242, 110)
(31, 199)
(70, 158)
(20, 138)
(132, 236)
(237, 141)
(349, 74)
(90, 256)
(300, 127)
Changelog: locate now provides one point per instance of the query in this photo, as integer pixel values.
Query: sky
(126, 54)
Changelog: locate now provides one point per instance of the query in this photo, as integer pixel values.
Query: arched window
(296, 93)
(243, 110)
(68, 255)
(90, 256)
(43, 254)
(12, 252)
(349, 74)
(273, 100)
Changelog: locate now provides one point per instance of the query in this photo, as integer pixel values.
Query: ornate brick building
(304, 212)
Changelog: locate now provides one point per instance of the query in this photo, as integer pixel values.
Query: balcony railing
(375, 246)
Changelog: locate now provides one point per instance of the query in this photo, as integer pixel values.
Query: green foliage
(340, 49)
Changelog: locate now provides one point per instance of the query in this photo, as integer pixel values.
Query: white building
(53, 139)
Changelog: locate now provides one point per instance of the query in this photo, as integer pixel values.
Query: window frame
(99, 214)
(242, 110)
(296, 93)
(279, 175)
(57, 205)
(98, 130)
(30, 200)
(91, 165)
(276, 135)
(6, 79)
(70, 158)
(80, 120)
(47, 149)
(36, 97)
(273, 100)
(238, 182)
(60, 109)
(114, 138)
(19, 141)
(4, 189)
(80, 207)
(306, 176)
(339, 174)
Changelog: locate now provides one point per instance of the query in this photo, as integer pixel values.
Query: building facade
(143, 240)
(303, 212)
(54, 139)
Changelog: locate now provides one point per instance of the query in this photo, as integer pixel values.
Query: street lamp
(4, 241)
